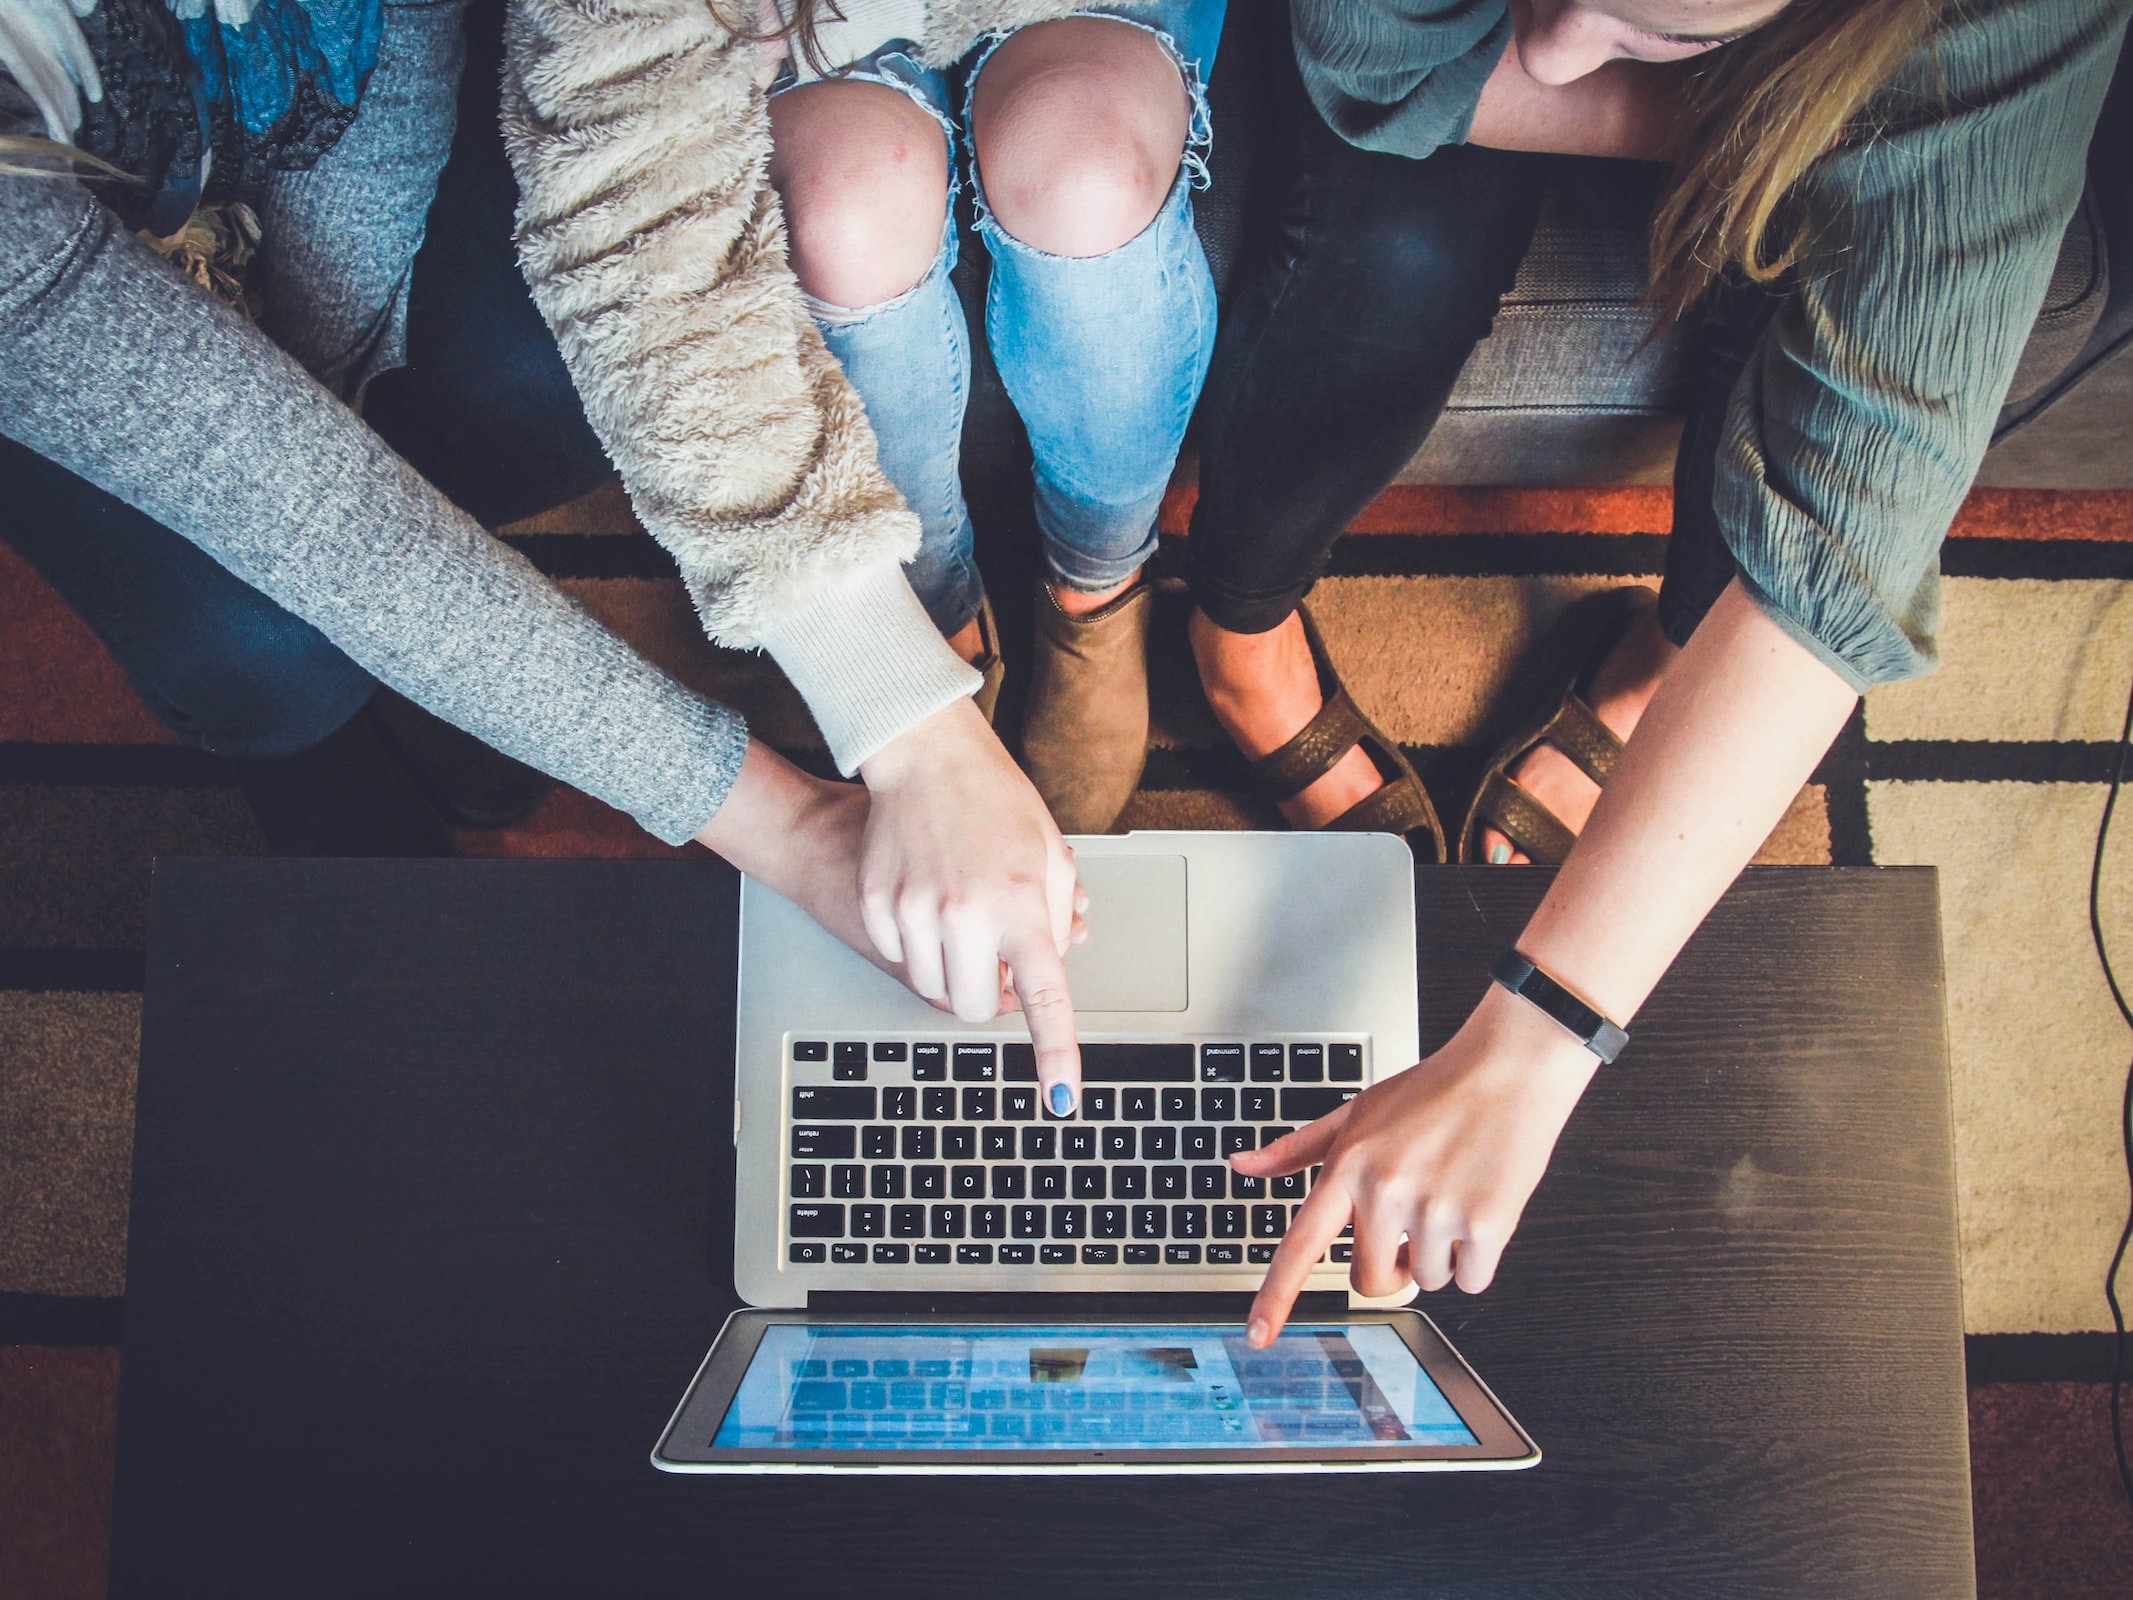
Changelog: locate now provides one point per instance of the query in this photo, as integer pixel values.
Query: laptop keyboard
(905, 1152)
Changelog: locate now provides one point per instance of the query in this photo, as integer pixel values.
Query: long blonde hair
(744, 20)
(1763, 110)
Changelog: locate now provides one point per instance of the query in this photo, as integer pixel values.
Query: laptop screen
(1083, 1386)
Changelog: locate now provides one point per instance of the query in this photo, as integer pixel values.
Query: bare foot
(1263, 688)
(1621, 689)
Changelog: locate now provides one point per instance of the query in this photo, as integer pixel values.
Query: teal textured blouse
(1868, 404)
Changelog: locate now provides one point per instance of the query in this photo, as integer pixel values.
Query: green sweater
(1866, 408)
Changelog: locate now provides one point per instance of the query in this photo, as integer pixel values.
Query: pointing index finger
(1317, 1224)
(1041, 988)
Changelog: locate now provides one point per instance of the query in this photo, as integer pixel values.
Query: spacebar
(1110, 1063)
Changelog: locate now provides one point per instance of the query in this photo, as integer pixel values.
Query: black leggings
(1342, 344)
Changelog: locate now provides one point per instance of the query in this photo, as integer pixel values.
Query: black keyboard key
(1344, 1063)
(809, 1181)
(1119, 1144)
(948, 1222)
(937, 1102)
(815, 1222)
(1026, 1222)
(1259, 1254)
(1188, 1222)
(929, 1063)
(891, 1255)
(1225, 1255)
(1018, 1105)
(1159, 1144)
(1268, 1135)
(807, 1255)
(959, 1144)
(869, 1222)
(899, 1103)
(1196, 1144)
(810, 1050)
(1056, 1255)
(1047, 1182)
(1221, 1063)
(850, 1053)
(1235, 1138)
(836, 1141)
(1150, 1222)
(1010, 1183)
(1289, 1186)
(1040, 1144)
(1308, 1105)
(1110, 1063)
(975, 1063)
(833, 1102)
(907, 1222)
(1129, 1183)
(1266, 1063)
(988, 1222)
(932, 1255)
(1210, 1183)
(1099, 1255)
(846, 1254)
(887, 1183)
(1179, 1105)
(999, 1143)
(1269, 1222)
(1167, 1183)
(973, 1255)
(967, 1183)
(1218, 1105)
(918, 1143)
(1088, 1183)
(850, 1071)
(1070, 1222)
(878, 1143)
(978, 1104)
(1017, 1255)
(891, 1050)
(1107, 1222)
(1246, 1188)
(1077, 1143)
(1099, 1105)
(1135, 1105)
(1343, 1251)
(929, 1182)
(1181, 1255)
(1230, 1222)
(848, 1181)
(1258, 1103)
(1143, 1255)
(1307, 1063)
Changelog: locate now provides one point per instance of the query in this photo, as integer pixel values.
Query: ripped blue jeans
(1103, 356)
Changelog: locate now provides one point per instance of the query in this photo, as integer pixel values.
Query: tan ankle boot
(1085, 734)
(990, 665)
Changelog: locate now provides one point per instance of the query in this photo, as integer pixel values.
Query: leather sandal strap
(1578, 732)
(1338, 728)
(1512, 810)
(1399, 807)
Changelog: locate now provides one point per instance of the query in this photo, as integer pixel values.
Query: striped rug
(1992, 770)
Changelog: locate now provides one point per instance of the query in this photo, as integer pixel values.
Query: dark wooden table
(430, 1226)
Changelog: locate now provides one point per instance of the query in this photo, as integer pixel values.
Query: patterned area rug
(1993, 770)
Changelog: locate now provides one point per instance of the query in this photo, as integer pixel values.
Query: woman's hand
(1434, 1165)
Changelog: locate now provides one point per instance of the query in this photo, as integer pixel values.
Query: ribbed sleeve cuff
(867, 660)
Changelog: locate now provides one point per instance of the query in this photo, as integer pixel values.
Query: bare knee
(1080, 125)
(863, 175)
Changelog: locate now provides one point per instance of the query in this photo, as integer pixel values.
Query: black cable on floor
(2125, 1114)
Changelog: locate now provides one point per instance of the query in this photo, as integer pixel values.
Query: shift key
(833, 1102)
(1309, 1104)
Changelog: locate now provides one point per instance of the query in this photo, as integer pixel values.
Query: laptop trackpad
(1135, 956)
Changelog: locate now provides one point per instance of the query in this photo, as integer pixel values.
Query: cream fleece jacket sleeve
(655, 248)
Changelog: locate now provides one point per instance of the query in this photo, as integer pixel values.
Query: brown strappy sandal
(1402, 806)
(1582, 639)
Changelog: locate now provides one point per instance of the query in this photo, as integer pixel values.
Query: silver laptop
(1233, 986)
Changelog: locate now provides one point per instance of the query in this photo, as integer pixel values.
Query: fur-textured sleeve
(655, 248)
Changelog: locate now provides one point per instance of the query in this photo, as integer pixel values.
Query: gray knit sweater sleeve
(1401, 76)
(1867, 407)
(130, 377)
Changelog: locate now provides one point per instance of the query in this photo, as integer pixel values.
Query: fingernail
(1258, 1334)
(1499, 854)
(1062, 1099)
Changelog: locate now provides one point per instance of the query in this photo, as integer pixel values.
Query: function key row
(904, 1102)
(1101, 1063)
(813, 1252)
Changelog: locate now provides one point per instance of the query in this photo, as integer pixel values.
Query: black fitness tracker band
(1603, 1038)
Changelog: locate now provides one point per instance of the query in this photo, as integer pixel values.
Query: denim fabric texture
(1103, 356)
